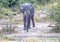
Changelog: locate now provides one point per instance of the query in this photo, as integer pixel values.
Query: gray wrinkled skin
(28, 10)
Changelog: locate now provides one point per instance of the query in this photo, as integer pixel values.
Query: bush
(55, 15)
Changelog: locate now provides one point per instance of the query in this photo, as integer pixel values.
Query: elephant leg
(24, 22)
(32, 17)
(29, 22)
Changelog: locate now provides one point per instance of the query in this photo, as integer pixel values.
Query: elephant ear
(22, 8)
(31, 8)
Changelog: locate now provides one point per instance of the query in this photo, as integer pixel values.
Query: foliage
(8, 7)
(55, 12)
(8, 3)
(43, 1)
(55, 15)
(12, 3)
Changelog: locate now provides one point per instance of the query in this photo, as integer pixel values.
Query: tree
(8, 3)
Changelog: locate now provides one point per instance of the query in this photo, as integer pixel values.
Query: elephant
(28, 11)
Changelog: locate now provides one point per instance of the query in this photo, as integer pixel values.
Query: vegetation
(55, 15)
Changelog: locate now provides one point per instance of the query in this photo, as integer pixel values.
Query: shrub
(55, 15)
